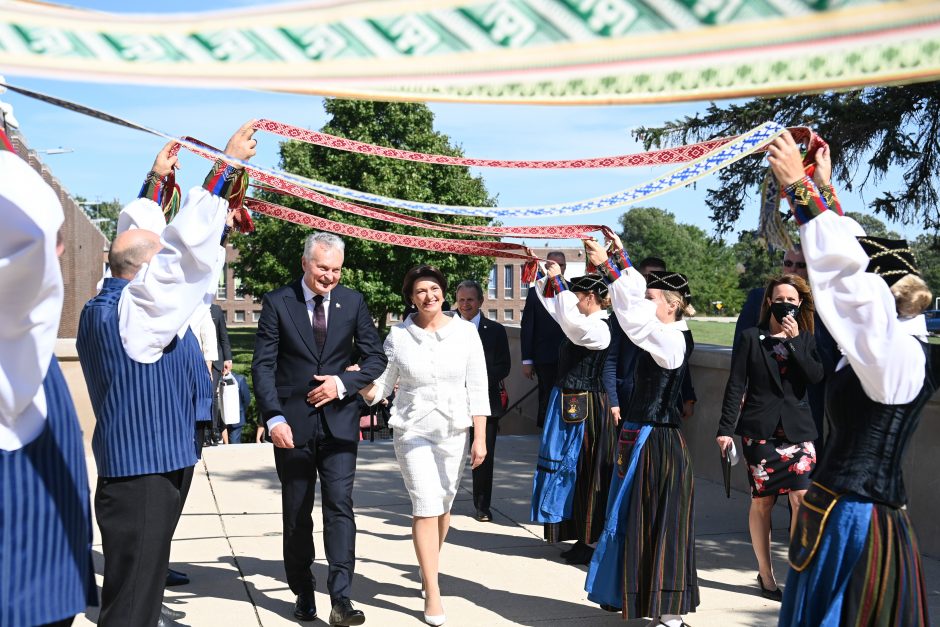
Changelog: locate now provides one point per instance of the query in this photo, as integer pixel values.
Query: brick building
(505, 294)
(82, 262)
(239, 308)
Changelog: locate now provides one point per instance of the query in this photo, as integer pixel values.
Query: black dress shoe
(176, 578)
(169, 614)
(163, 621)
(346, 615)
(774, 595)
(574, 550)
(305, 608)
(582, 557)
(484, 515)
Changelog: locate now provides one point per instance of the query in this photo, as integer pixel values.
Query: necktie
(319, 321)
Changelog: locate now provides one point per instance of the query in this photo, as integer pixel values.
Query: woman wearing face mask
(644, 564)
(771, 370)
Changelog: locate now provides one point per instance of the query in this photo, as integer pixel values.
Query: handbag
(818, 503)
(503, 396)
(575, 406)
(231, 413)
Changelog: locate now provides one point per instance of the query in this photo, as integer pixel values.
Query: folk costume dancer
(141, 364)
(575, 462)
(853, 553)
(644, 564)
(45, 515)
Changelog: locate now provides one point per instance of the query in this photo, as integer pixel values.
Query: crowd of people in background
(834, 344)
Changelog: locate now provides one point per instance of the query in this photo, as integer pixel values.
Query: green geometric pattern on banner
(535, 50)
(475, 26)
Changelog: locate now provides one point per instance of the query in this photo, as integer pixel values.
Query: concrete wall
(710, 365)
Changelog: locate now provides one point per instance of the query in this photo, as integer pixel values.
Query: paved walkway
(499, 573)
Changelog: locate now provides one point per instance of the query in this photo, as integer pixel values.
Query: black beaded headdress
(589, 283)
(670, 281)
(891, 259)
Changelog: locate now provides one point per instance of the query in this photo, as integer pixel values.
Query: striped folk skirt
(659, 575)
(595, 468)
(866, 572)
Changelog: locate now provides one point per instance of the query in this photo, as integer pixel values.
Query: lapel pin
(338, 305)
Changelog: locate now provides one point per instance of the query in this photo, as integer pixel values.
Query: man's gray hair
(470, 284)
(326, 240)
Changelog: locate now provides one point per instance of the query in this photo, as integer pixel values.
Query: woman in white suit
(437, 361)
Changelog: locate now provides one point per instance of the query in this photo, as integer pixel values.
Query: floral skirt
(777, 466)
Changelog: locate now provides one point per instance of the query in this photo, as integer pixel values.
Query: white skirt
(431, 466)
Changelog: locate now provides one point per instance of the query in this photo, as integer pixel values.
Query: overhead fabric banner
(508, 51)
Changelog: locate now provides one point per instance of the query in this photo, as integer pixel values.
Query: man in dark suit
(307, 399)
(498, 364)
(540, 339)
(220, 367)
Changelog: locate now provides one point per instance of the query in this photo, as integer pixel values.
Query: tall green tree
(870, 132)
(709, 264)
(270, 257)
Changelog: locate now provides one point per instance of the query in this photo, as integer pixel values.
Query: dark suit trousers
(547, 373)
(136, 516)
(297, 468)
(483, 474)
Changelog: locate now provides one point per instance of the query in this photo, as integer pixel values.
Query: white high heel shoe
(435, 620)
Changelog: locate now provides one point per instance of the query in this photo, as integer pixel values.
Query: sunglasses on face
(789, 264)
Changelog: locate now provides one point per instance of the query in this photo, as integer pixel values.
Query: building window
(507, 315)
(491, 283)
(239, 293)
(222, 292)
(255, 315)
(508, 281)
(491, 314)
(239, 315)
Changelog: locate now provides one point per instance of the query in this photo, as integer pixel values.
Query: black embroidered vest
(580, 368)
(656, 390)
(868, 439)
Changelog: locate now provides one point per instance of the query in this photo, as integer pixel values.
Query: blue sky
(110, 161)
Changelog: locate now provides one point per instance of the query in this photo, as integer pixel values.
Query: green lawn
(722, 333)
(707, 332)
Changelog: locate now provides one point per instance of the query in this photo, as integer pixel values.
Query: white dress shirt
(31, 302)
(158, 303)
(142, 213)
(441, 377)
(591, 331)
(859, 310)
(637, 317)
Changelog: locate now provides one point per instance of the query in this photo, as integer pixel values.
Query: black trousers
(483, 474)
(297, 468)
(546, 374)
(136, 516)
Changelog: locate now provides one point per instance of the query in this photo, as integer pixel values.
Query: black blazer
(768, 400)
(498, 362)
(286, 358)
(221, 336)
(540, 335)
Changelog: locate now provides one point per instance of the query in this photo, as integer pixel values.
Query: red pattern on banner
(455, 246)
(664, 156)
